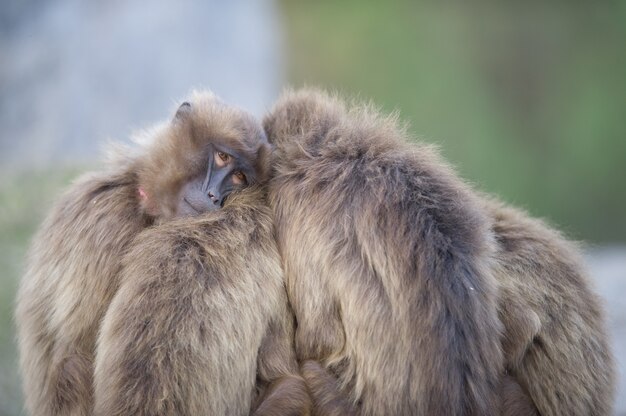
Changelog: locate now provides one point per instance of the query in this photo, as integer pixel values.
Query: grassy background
(527, 99)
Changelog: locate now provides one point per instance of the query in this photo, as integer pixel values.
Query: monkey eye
(239, 177)
(222, 159)
(224, 156)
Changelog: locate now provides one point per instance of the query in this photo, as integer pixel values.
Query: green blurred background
(526, 99)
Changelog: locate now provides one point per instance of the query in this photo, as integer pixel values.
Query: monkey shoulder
(537, 264)
(218, 247)
(96, 204)
(86, 232)
(529, 244)
(231, 228)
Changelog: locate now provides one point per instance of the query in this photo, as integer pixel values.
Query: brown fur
(325, 391)
(198, 299)
(75, 260)
(515, 401)
(555, 343)
(416, 294)
(387, 261)
(286, 396)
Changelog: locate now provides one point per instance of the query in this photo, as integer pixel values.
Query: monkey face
(226, 172)
(206, 152)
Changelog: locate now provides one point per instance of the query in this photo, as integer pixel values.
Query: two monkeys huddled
(320, 263)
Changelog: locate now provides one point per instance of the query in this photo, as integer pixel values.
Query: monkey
(414, 293)
(386, 258)
(198, 299)
(182, 169)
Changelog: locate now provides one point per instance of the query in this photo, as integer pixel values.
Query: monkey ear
(183, 111)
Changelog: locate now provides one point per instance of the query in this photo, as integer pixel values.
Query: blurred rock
(75, 73)
(608, 267)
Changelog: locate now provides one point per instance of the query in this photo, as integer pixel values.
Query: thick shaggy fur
(75, 260)
(198, 299)
(418, 295)
(387, 261)
(555, 343)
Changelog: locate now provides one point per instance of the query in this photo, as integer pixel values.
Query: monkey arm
(282, 391)
(326, 393)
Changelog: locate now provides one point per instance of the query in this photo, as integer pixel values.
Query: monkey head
(196, 160)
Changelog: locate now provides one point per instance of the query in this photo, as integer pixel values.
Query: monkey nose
(214, 198)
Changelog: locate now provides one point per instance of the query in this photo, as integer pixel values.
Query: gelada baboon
(182, 168)
(198, 299)
(412, 293)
